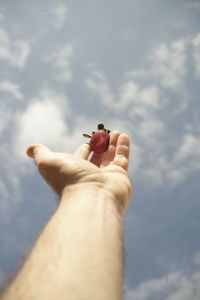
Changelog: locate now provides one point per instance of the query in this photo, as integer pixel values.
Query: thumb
(38, 152)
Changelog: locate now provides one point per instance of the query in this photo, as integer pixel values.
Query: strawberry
(99, 140)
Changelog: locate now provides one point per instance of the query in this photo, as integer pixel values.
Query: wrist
(90, 194)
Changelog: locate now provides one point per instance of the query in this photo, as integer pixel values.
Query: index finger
(83, 151)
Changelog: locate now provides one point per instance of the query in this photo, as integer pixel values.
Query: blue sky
(134, 65)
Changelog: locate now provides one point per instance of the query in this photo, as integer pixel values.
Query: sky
(135, 66)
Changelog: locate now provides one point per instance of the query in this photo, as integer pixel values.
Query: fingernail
(31, 151)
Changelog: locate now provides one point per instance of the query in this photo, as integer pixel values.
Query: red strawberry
(99, 140)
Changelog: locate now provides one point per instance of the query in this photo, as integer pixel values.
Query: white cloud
(195, 5)
(15, 52)
(163, 168)
(190, 147)
(196, 258)
(9, 182)
(132, 99)
(10, 190)
(2, 14)
(61, 61)
(43, 121)
(150, 128)
(186, 159)
(5, 116)
(140, 104)
(4, 192)
(166, 64)
(11, 88)
(176, 153)
(139, 98)
(21, 53)
(165, 156)
(130, 96)
(98, 86)
(179, 285)
(139, 101)
(196, 53)
(59, 16)
(46, 121)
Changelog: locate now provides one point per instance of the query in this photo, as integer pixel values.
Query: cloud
(165, 156)
(140, 104)
(12, 88)
(130, 95)
(195, 5)
(10, 189)
(176, 151)
(173, 160)
(188, 148)
(196, 53)
(2, 14)
(196, 258)
(46, 120)
(59, 16)
(178, 285)
(61, 62)
(135, 101)
(99, 87)
(5, 116)
(15, 52)
(185, 160)
(169, 63)
(138, 99)
(166, 64)
(43, 121)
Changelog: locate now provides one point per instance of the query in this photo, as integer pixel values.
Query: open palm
(108, 171)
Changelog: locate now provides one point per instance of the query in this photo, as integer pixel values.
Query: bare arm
(79, 253)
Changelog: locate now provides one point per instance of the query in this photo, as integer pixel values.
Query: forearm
(79, 253)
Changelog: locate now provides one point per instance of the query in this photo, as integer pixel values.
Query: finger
(83, 151)
(38, 152)
(96, 159)
(122, 151)
(110, 153)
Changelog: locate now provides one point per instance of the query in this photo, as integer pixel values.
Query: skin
(79, 253)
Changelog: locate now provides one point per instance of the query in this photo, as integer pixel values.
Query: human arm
(79, 254)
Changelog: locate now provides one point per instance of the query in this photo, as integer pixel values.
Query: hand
(107, 171)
